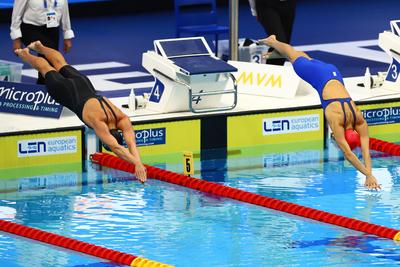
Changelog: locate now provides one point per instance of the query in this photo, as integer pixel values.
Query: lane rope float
(114, 162)
(353, 139)
(76, 245)
(384, 146)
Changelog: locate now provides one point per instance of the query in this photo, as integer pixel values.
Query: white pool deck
(305, 97)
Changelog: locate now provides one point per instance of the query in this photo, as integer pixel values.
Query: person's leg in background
(48, 36)
(277, 18)
(288, 13)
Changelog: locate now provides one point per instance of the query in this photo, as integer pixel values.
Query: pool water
(182, 227)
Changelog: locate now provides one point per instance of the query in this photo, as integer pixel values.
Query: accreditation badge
(51, 19)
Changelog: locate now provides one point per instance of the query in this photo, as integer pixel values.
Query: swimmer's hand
(141, 172)
(371, 183)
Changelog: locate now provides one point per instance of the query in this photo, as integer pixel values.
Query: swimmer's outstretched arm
(103, 133)
(370, 180)
(126, 126)
(362, 130)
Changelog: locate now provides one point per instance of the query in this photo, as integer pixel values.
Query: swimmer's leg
(284, 49)
(37, 63)
(53, 56)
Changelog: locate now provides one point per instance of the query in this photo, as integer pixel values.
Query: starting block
(390, 43)
(189, 77)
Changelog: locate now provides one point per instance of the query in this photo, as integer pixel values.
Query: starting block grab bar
(228, 91)
(196, 95)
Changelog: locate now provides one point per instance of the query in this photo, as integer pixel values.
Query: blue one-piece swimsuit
(318, 74)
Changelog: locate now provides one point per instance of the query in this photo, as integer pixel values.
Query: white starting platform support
(390, 43)
(189, 77)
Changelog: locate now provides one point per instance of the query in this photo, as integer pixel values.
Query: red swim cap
(352, 138)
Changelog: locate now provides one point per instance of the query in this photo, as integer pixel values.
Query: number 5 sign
(188, 163)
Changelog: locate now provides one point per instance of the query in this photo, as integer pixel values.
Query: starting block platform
(189, 77)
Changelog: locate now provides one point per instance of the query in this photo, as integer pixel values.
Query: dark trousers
(277, 18)
(48, 36)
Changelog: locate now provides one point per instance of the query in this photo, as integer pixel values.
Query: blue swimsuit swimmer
(318, 74)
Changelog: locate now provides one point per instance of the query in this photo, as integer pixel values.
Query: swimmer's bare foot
(36, 62)
(270, 40)
(272, 55)
(266, 55)
(23, 53)
(36, 46)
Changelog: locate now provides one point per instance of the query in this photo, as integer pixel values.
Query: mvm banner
(266, 80)
(28, 99)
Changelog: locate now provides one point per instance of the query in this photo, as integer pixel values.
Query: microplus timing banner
(28, 99)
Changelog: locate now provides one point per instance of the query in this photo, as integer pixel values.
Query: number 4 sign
(157, 91)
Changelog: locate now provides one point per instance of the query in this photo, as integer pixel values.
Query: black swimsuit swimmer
(72, 89)
(114, 132)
